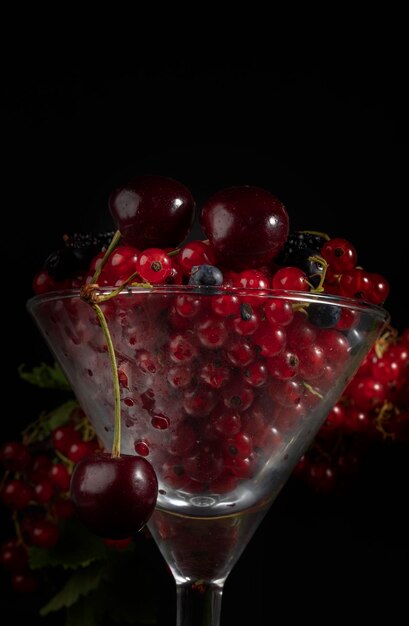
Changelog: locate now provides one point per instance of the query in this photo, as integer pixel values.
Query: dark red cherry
(114, 497)
(247, 226)
(152, 212)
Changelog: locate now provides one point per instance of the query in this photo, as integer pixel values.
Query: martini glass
(222, 410)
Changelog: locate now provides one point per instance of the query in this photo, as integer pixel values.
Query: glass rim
(204, 290)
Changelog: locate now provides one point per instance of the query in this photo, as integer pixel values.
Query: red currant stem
(17, 528)
(321, 261)
(116, 445)
(385, 340)
(70, 464)
(115, 292)
(4, 479)
(312, 390)
(174, 252)
(114, 242)
(298, 306)
(87, 432)
(316, 232)
(384, 415)
(33, 431)
(326, 455)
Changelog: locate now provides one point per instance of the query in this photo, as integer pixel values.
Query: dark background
(328, 137)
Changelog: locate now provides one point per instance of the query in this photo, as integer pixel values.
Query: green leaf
(45, 376)
(61, 415)
(82, 613)
(80, 584)
(77, 548)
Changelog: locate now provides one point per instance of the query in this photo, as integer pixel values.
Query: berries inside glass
(223, 405)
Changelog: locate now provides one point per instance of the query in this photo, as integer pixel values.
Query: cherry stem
(116, 445)
(114, 242)
(112, 294)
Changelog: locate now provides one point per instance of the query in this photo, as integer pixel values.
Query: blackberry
(303, 249)
(76, 254)
(301, 240)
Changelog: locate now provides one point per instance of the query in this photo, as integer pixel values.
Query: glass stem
(198, 604)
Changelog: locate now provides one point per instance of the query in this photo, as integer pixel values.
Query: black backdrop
(329, 140)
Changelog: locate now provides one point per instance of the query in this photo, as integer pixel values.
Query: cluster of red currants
(35, 487)
(374, 407)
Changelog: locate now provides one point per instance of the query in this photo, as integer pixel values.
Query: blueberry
(324, 315)
(205, 275)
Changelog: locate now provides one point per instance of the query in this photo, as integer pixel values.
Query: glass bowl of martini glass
(222, 390)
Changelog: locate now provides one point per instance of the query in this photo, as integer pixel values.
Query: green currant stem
(17, 528)
(316, 232)
(322, 261)
(70, 464)
(114, 242)
(312, 390)
(174, 252)
(116, 446)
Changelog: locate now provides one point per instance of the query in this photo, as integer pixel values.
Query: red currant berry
(13, 556)
(240, 352)
(195, 253)
(357, 421)
(142, 448)
(200, 401)
(154, 265)
(357, 284)
(25, 582)
(211, 332)
(334, 344)
(283, 366)
(335, 420)
(380, 288)
(63, 437)
(17, 494)
(340, 255)
(226, 305)
(269, 338)
(182, 348)
(236, 396)
(43, 491)
(368, 393)
(226, 422)
(279, 312)
(15, 456)
(179, 376)
(322, 477)
(121, 264)
(43, 283)
(290, 279)
(239, 446)
(215, 374)
(255, 374)
(187, 305)
(246, 322)
(44, 534)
